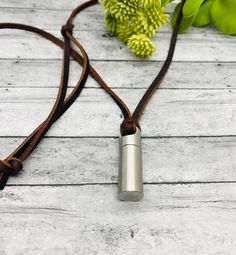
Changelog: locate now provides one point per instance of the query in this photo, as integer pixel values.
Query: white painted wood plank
(189, 75)
(54, 19)
(89, 20)
(54, 5)
(170, 112)
(217, 47)
(172, 219)
(95, 160)
(41, 4)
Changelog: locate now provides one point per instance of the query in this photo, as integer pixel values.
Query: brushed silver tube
(130, 173)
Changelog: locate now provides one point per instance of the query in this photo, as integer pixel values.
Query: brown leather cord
(123, 107)
(131, 122)
(13, 163)
(72, 97)
(161, 75)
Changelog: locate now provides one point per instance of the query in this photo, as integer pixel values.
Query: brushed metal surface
(130, 172)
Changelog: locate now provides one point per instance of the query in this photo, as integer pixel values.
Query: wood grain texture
(41, 4)
(169, 113)
(95, 160)
(217, 47)
(173, 219)
(46, 73)
(52, 5)
(65, 200)
(91, 19)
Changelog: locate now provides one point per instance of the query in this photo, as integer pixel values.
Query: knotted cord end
(10, 167)
(129, 126)
(67, 28)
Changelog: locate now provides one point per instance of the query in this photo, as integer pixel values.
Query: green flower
(141, 25)
(141, 45)
(150, 3)
(124, 32)
(122, 11)
(135, 22)
(111, 22)
(156, 16)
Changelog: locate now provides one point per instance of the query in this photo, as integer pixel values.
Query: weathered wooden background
(65, 200)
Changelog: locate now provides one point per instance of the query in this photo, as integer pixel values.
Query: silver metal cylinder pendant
(130, 172)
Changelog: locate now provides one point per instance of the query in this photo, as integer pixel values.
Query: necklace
(12, 165)
(130, 183)
(130, 186)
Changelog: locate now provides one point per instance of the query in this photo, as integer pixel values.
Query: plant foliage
(221, 13)
(135, 22)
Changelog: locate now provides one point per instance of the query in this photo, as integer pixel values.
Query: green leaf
(185, 23)
(164, 3)
(223, 14)
(191, 7)
(203, 17)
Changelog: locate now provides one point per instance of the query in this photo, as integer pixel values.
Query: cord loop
(67, 28)
(129, 126)
(11, 167)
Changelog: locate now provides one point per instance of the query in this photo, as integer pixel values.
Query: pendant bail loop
(129, 126)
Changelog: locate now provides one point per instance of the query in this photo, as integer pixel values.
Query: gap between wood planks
(116, 137)
(114, 87)
(115, 183)
(157, 137)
